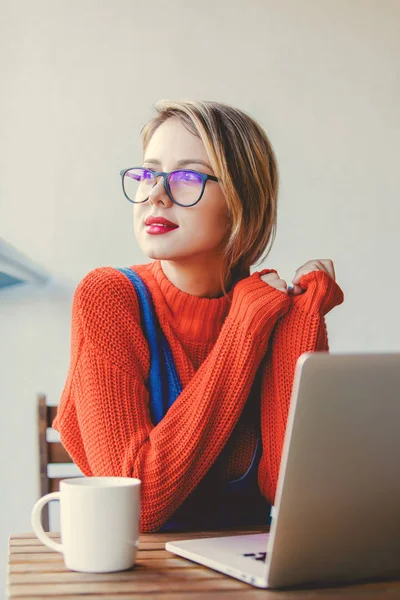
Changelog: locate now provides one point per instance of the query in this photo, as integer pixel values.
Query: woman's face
(202, 228)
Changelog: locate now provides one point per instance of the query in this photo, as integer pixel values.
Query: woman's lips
(158, 229)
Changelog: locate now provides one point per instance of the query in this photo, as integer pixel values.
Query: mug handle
(36, 521)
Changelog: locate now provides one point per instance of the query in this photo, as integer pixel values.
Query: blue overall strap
(164, 383)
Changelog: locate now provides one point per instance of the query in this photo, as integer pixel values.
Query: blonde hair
(242, 157)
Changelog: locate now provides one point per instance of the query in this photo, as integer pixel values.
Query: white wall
(79, 79)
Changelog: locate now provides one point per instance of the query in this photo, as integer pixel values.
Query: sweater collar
(196, 318)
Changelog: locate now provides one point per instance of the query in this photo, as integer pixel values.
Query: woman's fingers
(295, 290)
(315, 265)
(318, 264)
(274, 280)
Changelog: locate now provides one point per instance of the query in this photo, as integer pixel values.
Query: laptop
(336, 517)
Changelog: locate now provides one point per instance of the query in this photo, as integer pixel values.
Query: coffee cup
(99, 522)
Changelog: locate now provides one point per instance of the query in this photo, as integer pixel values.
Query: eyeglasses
(184, 187)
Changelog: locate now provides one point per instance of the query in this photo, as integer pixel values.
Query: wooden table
(34, 571)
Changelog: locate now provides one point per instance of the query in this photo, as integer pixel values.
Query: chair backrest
(51, 453)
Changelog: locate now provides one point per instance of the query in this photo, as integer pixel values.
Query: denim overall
(212, 504)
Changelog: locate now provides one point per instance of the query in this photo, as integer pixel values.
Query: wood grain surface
(35, 571)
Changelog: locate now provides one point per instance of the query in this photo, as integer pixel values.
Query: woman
(213, 459)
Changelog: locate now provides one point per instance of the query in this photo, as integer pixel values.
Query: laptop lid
(337, 507)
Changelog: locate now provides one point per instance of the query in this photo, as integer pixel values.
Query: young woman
(205, 210)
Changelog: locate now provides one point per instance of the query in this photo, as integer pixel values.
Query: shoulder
(106, 309)
(105, 291)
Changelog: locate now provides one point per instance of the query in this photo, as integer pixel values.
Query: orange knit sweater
(103, 415)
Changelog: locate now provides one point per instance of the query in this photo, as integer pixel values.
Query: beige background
(78, 80)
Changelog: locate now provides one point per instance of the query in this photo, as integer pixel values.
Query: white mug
(99, 519)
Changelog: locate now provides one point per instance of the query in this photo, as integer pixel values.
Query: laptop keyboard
(261, 556)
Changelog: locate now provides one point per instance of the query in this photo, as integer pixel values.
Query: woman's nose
(158, 192)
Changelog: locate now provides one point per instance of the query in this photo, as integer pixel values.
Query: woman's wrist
(321, 293)
(255, 302)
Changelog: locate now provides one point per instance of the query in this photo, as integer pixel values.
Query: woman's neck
(202, 280)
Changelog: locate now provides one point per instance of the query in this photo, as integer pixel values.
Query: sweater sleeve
(302, 329)
(103, 416)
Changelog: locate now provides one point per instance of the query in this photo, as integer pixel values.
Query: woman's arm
(103, 417)
(302, 329)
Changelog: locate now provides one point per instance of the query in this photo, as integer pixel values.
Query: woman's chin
(159, 254)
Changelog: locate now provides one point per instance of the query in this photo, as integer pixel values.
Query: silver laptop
(336, 517)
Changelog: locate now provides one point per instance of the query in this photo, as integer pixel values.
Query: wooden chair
(50, 453)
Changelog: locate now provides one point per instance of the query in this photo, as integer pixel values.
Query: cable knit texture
(217, 344)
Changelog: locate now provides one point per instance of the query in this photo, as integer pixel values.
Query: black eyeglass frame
(203, 176)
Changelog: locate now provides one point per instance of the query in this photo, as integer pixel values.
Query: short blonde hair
(242, 157)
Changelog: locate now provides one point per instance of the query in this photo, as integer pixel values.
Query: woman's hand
(312, 265)
(273, 280)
